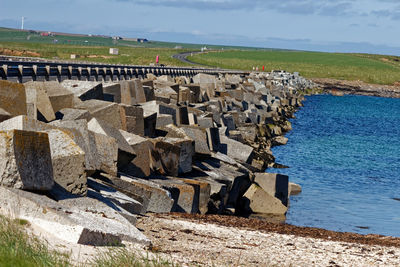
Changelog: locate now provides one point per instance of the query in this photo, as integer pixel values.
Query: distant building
(178, 47)
(117, 38)
(113, 51)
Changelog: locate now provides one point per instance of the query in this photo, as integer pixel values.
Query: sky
(367, 26)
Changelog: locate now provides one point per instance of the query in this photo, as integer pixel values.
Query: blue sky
(369, 26)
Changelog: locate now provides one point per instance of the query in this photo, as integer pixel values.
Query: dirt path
(230, 241)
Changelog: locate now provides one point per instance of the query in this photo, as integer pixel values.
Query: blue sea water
(345, 153)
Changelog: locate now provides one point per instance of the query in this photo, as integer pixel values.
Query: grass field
(368, 68)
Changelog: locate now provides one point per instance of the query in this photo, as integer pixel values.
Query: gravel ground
(195, 241)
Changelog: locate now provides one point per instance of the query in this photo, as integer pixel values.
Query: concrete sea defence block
(259, 201)
(25, 160)
(133, 119)
(106, 150)
(13, 98)
(68, 161)
(236, 150)
(276, 185)
(4, 115)
(84, 90)
(83, 221)
(103, 110)
(59, 96)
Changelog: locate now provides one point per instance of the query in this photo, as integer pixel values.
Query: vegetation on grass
(368, 68)
(18, 249)
(121, 257)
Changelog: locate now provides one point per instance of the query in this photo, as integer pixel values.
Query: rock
(103, 110)
(140, 166)
(276, 185)
(84, 90)
(259, 201)
(125, 152)
(13, 98)
(83, 221)
(236, 150)
(279, 140)
(25, 160)
(294, 189)
(68, 161)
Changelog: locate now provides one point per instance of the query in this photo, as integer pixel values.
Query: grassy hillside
(368, 68)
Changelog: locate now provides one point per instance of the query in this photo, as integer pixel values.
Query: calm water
(345, 152)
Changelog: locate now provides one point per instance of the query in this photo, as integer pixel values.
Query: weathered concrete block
(84, 90)
(13, 98)
(175, 154)
(260, 201)
(68, 161)
(150, 122)
(4, 115)
(105, 111)
(125, 152)
(204, 189)
(126, 88)
(132, 119)
(79, 132)
(184, 94)
(140, 166)
(70, 114)
(236, 150)
(78, 220)
(112, 92)
(186, 197)
(213, 139)
(160, 200)
(164, 120)
(106, 150)
(160, 108)
(165, 93)
(25, 160)
(59, 96)
(139, 93)
(195, 133)
(276, 185)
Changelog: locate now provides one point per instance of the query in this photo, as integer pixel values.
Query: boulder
(68, 161)
(294, 189)
(84, 90)
(276, 185)
(279, 141)
(25, 160)
(259, 201)
(13, 98)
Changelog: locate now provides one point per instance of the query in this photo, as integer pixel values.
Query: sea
(345, 153)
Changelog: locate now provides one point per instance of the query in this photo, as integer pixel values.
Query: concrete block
(105, 111)
(70, 114)
(132, 119)
(4, 115)
(59, 96)
(276, 185)
(68, 161)
(83, 221)
(140, 166)
(13, 98)
(106, 150)
(84, 90)
(125, 152)
(236, 150)
(25, 160)
(261, 202)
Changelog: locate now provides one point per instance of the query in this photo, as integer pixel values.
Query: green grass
(121, 257)
(127, 55)
(18, 249)
(368, 68)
